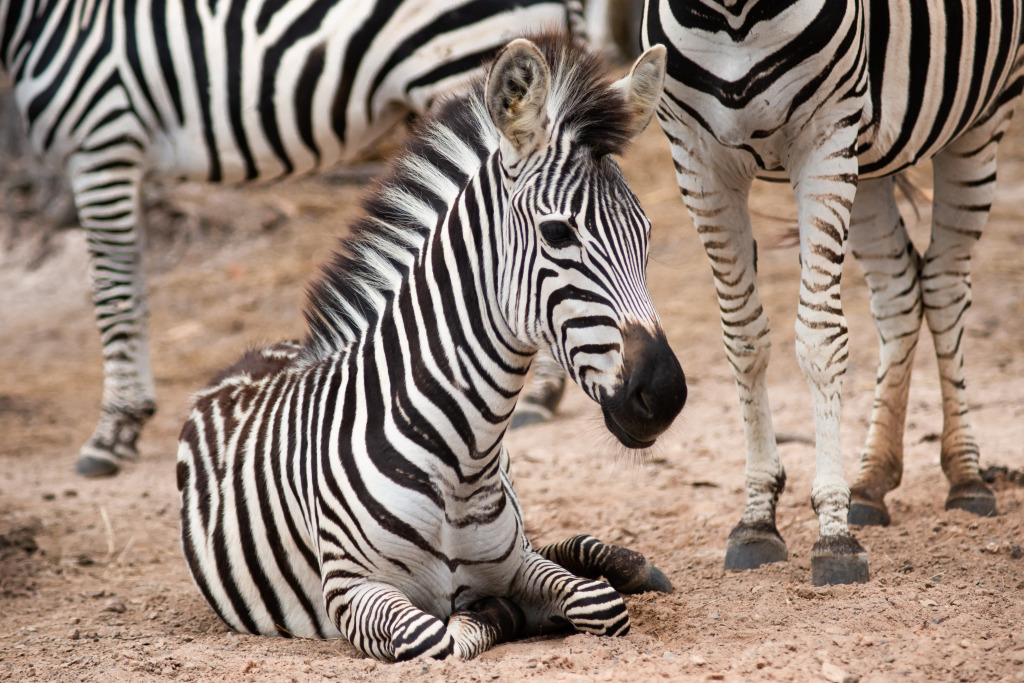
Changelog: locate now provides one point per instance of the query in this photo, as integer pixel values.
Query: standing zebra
(356, 484)
(220, 92)
(837, 97)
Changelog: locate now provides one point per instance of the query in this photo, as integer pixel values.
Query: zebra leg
(106, 186)
(382, 623)
(965, 178)
(552, 597)
(824, 176)
(543, 392)
(626, 570)
(879, 241)
(717, 203)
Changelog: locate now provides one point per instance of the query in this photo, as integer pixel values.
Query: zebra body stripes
(224, 92)
(356, 483)
(837, 97)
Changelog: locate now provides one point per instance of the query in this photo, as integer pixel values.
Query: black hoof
(983, 507)
(862, 514)
(753, 554)
(88, 466)
(503, 615)
(525, 418)
(650, 578)
(974, 497)
(837, 561)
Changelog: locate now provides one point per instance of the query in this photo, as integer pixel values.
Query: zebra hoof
(529, 416)
(504, 615)
(646, 579)
(973, 497)
(749, 547)
(865, 514)
(93, 468)
(838, 560)
(753, 554)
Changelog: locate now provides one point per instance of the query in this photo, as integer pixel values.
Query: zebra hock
(838, 99)
(219, 92)
(357, 483)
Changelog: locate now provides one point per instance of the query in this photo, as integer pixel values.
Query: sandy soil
(93, 586)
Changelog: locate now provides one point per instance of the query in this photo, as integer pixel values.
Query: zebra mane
(424, 180)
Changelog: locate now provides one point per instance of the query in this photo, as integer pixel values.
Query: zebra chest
(466, 548)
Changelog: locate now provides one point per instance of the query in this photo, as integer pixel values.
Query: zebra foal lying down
(356, 484)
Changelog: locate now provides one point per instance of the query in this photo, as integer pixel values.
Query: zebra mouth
(622, 434)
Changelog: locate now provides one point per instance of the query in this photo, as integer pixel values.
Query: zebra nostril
(641, 404)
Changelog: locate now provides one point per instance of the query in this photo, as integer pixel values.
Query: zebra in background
(356, 483)
(220, 92)
(837, 97)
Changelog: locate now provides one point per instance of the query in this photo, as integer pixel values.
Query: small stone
(833, 673)
(698, 660)
(929, 603)
(1017, 657)
(965, 643)
(670, 656)
(115, 606)
(74, 635)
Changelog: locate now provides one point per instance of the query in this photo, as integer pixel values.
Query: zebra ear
(516, 95)
(642, 86)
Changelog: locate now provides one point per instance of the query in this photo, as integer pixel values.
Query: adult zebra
(838, 97)
(356, 483)
(220, 92)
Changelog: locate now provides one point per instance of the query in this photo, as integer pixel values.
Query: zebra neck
(445, 341)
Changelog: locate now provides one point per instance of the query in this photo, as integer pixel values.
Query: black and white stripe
(356, 483)
(837, 97)
(223, 92)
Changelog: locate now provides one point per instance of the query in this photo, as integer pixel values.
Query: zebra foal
(219, 92)
(837, 97)
(356, 484)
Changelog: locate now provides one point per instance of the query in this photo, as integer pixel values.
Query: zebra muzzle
(652, 392)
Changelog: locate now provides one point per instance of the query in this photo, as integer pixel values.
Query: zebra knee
(426, 636)
(597, 608)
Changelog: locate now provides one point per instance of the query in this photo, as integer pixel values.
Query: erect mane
(424, 180)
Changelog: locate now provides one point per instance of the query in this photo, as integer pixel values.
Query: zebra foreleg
(626, 570)
(382, 623)
(717, 201)
(108, 205)
(552, 597)
(879, 241)
(824, 177)
(965, 174)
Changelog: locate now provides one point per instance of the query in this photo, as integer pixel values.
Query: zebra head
(574, 240)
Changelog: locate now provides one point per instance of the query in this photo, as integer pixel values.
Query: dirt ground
(93, 585)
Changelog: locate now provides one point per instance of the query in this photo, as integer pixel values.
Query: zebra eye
(558, 234)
